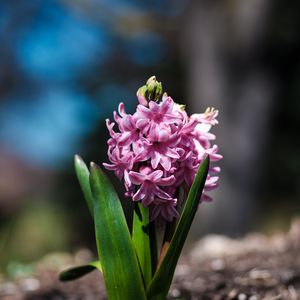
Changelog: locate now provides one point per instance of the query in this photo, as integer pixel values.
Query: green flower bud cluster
(151, 91)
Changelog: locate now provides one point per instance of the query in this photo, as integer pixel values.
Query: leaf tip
(78, 159)
(95, 167)
(207, 159)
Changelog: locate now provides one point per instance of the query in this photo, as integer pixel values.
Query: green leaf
(79, 271)
(160, 284)
(83, 175)
(141, 241)
(121, 272)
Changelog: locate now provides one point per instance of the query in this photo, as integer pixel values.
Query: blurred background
(64, 67)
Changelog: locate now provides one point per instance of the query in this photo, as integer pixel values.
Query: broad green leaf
(79, 271)
(141, 241)
(122, 276)
(83, 175)
(160, 284)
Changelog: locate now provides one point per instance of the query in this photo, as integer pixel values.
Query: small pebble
(260, 274)
(197, 284)
(187, 285)
(217, 265)
(242, 296)
(175, 293)
(232, 294)
(182, 270)
(82, 256)
(29, 284)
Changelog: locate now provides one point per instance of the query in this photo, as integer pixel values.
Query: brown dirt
(253, 268)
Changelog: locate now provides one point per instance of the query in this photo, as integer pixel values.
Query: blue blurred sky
(53, 46)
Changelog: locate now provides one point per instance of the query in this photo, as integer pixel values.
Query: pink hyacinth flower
(158, 150)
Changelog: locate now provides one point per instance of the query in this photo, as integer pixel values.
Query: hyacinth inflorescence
(158, 149)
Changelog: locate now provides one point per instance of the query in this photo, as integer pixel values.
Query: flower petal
(155, 176)
(155, 159)
(137, 178)
(141, 193)
(166, 181)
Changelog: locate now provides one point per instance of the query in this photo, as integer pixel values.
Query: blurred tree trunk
(221, 44)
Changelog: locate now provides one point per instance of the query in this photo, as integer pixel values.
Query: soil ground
(253, 268)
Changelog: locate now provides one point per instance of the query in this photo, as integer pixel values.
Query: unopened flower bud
(154, 88)
(151, 91)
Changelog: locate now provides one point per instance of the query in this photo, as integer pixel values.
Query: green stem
(171, 226)
(153, 246)
(169, 231)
